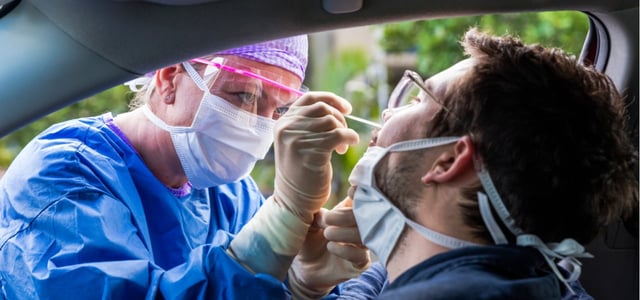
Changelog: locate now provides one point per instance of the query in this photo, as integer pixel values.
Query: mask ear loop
(567, 251)
(434, 236)
(209, 73)
(421, 143)
(138, 84)
(495, 199)
(195, 77)
(489, 221)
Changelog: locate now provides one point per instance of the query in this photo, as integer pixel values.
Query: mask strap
(154, 119)
(195, 76)
(160, 123)
(421, 144)
(489, 221)
(138, 84)
(435, 237)
(414, 145)
(438, 238)
(495, 199)
(567, 251)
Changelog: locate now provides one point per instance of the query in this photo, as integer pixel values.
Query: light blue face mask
(380, 223)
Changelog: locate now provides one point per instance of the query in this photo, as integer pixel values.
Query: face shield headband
(252, 89)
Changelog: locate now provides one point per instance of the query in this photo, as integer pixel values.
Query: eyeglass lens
(407, 91)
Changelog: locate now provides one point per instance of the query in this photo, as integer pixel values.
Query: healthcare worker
(146, 204)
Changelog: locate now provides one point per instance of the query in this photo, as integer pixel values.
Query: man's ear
(166, 84)
(451, 163)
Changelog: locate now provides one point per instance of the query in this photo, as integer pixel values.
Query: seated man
(497, 170)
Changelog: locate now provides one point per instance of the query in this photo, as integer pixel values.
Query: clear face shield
(261, 92)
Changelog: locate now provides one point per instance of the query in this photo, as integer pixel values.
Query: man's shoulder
(475, 274)
(473, 284)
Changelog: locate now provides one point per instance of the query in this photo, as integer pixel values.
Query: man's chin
(351, 191)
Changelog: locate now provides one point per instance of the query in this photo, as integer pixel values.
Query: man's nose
(389, 111)
(386, 114)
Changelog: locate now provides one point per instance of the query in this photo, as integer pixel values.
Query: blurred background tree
(361, 76)
(436, 42)
(114, 100)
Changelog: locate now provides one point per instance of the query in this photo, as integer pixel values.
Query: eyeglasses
(410, 90)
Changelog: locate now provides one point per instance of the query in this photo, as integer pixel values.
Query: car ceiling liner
(170, 2)
(331, 6)
(6, 6)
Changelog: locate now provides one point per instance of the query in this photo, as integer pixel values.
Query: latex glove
(332, 253)
(305, 138)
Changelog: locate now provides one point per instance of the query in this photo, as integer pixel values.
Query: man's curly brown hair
(551, 132)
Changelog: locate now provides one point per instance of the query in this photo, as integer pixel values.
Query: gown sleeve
(366, 286)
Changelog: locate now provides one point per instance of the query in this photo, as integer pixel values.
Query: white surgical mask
(222, 144)
(380, 223)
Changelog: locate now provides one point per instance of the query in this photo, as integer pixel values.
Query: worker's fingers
(358, 256)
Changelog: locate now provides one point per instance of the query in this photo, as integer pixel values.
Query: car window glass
(363, 65)
(360, 64)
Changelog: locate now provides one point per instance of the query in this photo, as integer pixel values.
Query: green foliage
(436, 42)
(114, 100)
(341, 68)
(344, 77)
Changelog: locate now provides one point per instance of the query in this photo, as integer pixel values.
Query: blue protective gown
(84, 218)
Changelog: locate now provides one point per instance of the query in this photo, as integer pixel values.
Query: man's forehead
(450, 74)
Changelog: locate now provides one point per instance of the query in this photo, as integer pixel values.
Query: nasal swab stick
(363, 121)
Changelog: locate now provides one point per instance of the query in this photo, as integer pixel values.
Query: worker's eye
(246, 97)
(281, 110)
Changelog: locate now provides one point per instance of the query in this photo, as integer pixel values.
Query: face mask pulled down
(380, 223)
(222, 144)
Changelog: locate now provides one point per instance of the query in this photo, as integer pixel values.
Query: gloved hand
(332, 253)
(305, 138)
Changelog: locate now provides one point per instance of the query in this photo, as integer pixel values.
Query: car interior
(57, 52)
